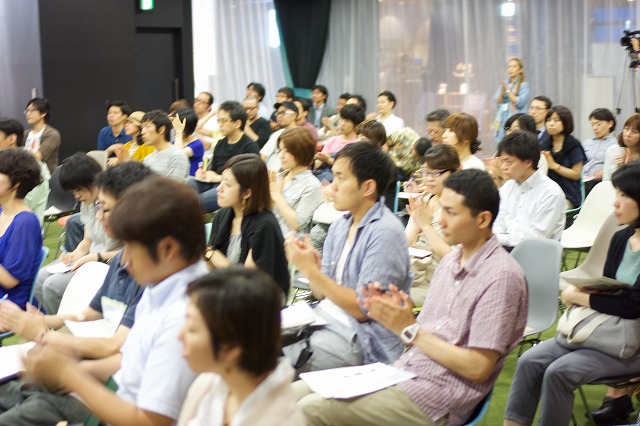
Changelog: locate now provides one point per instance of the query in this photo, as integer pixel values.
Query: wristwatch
(209, 253)
(409, 333)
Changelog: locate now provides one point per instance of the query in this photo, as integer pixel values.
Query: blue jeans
(208, 194)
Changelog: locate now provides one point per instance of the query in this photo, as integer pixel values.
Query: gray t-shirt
(172, 162)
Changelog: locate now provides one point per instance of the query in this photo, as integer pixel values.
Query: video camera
(625, 42)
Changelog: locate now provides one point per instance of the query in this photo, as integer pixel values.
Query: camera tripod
(631, 68)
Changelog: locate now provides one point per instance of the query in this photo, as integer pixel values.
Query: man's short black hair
(22, 169)
(115, 180)
(367, 161)
(258, 88)
(353, 113)
(440, 115)
(478, 189)
(210, 96)
(321, 88)
(11, 126)
(390, 96)
(362, 103)
(523, 145)
(344, 96)
(305, 102)
(603, 114)
(156, 208)
(124, 107)
(43, 107)
(159, 118)
(286, 91)
(191, 120)
(79, 172)
(547, 101)
(236, 112)
(422, 145)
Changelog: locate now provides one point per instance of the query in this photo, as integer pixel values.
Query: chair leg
(585, 404)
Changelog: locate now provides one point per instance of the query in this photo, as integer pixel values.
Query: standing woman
(296, 192)
(564, 154)
(512, 96)
(20, 232)
(244, 230)
(232, 337)
(461, 132)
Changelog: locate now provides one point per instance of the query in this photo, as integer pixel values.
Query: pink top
(336, 143)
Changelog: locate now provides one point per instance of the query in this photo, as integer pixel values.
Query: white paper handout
(97, 328)
(11, 360)
(349, 382)
(58, 268)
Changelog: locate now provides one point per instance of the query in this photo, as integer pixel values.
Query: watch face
(407, 334)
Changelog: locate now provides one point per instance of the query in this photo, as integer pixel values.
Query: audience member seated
(304, 105)
(135, 149)
(473, 317)
(77, 174)
(512, 96)
(400, 148)
(256, 128)
(231, 337)
(423, 230)
(11, 136)
(257, 90)
(366, 245)
(603, 123)
(564, 154)
(160, 221)
(350, 117)
(284, 94)
(420, 147)
(372, 131)
(296, 192)
(531, 204)
(435, 125)
(168, 159)
(207, 127)
(538, 109)
(20, 232)
(286, 115)
(461, 132)
(627, 149)
(43, 141)
(320, 110)
(184, 123)
(330, 124)
(549, 372)
(114, 135)
(245, 231)
(232, 118)
(386, 104)
(115, 302)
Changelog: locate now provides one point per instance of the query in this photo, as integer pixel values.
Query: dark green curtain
(304, 29)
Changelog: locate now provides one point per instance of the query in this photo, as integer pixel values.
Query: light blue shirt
(379, 253)
(153, 374)
(596, 149)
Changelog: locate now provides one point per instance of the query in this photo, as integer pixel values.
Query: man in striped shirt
(473, 317)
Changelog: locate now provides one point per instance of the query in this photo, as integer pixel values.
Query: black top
(224, 150)
(260, 233)
(263, 130)
(626, 304)
(570, 154)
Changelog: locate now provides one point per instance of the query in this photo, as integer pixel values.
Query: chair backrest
(100, 157)
(58, 197)
(593, 263)
(540, 259)
(83, 286)
(595, 210)
(480, 410)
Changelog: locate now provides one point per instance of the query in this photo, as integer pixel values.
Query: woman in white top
(423, 230)
(386, 104)
(232, 336)
(461, 132)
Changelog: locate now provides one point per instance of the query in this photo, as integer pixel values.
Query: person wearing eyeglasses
(43, 140)
(435, 125)
(232, 119)
(423, 230)
(286, 116)
(538, 110)
(531, 204)
(257, 128)
(207, 129)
